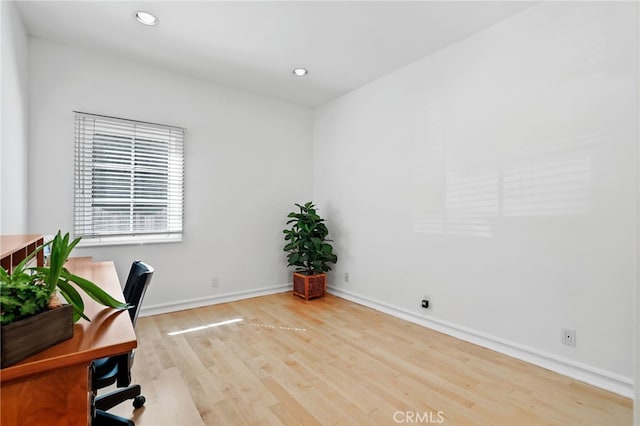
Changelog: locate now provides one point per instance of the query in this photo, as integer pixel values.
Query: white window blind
(129, 180)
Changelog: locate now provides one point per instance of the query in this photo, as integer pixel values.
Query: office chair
(117, 369)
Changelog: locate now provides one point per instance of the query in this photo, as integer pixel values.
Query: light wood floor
(330, 361)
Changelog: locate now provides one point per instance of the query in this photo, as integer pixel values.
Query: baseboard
(164, 308)
(594, 376)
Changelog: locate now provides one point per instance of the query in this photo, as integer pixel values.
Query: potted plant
(309, 251)
(31, 314)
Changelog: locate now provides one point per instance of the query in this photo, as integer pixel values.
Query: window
(129, 179)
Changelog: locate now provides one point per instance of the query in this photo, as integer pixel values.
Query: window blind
(129, 179)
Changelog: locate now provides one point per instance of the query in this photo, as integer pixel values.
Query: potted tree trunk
(309, 250)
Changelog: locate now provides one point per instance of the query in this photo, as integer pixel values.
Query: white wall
(636, 403)
(13, 146)
(497, 177)
(247, 160)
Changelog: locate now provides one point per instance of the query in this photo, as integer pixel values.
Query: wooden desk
(52, 387)
(14, 248)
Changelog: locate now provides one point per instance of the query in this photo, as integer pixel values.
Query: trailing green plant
(307, 244)
(24, 283)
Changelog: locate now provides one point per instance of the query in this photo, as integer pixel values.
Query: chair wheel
(139, 401)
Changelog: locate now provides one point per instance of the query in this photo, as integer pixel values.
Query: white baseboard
(594, 376)
(164, 308)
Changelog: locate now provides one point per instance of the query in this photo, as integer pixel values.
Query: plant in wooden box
(309, 251)
(31, 314)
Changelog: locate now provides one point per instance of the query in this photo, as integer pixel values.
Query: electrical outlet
(425, 303)
(214, 282)
(346, 277)
(568, 337)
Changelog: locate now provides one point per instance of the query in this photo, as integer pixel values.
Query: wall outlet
(425, 303)
(568, 337)
(214, 282)
(346, 277)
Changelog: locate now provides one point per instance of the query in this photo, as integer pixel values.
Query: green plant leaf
(306, 242)
(27, 291)
(21, 296)
(73, 297)
(95, 292)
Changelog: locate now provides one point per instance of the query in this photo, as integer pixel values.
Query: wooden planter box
(29, 336)
(309, 286)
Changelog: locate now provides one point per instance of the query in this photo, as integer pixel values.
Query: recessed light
(300, 72)
(146, 18)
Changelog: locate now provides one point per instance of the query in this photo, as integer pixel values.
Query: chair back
(137, 282)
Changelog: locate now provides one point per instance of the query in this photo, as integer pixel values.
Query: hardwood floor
(330, 361)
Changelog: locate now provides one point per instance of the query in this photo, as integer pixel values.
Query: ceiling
(255, 45)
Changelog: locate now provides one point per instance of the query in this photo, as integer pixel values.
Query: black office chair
(117, 369)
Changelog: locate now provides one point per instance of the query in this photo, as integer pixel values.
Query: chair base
(103, 418)
(117, 397)
(109, 400)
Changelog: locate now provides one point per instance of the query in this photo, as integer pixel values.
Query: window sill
(129, 240)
